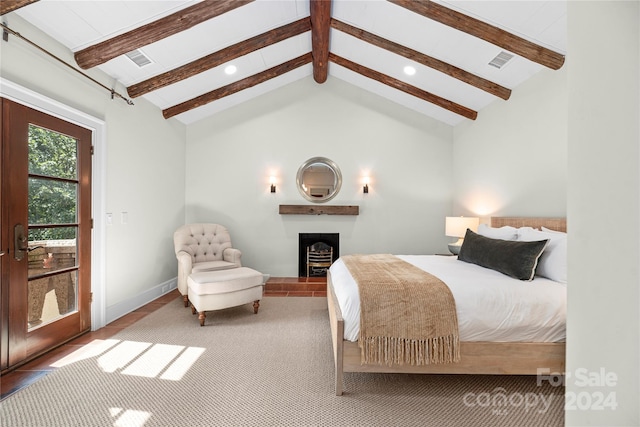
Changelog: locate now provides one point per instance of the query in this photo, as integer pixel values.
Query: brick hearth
(296, 287)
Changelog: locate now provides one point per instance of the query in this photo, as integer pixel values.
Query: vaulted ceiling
(189, 46)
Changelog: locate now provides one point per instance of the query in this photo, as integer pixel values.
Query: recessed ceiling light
(230, 69)
(409, 70)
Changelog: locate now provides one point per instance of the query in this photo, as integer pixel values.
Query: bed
(499, 353)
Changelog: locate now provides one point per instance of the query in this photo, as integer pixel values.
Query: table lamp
(456, 226)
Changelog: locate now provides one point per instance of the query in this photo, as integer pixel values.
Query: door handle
(21, 243)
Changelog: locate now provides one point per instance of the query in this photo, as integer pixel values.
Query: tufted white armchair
(203, 247)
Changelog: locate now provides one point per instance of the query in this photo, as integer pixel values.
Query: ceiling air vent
(138, 58)
(501, 59)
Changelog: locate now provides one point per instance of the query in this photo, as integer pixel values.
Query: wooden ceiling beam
(405, 87)
(414, 55)
(484, 31)
(238, 86)
(154, 31)
(220, 57)
(7, 6)
(320, 26)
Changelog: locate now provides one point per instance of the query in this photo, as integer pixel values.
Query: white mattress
(490, 305)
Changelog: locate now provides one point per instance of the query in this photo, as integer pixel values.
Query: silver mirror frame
(337, 181)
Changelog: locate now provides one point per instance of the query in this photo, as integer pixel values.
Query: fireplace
(320, 242)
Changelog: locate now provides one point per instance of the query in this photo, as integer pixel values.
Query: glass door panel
(52, 201)
(53, 226)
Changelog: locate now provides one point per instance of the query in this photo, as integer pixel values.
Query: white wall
(603, 209)
(408, 157)
(145, 179)
(144, 167)
(513, 159)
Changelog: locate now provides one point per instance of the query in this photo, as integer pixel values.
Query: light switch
(124, 217)
(109, 218)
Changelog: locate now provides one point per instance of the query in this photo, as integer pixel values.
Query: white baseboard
(118, 310)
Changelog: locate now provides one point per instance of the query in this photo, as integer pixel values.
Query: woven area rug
(270, 369)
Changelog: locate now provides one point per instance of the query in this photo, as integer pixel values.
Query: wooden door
(46, 232)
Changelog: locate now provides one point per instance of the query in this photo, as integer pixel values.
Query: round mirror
(319, 179)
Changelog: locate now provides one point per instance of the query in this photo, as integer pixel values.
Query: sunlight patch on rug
(153, 361)
(129, 418)
(121, 355)
(142, 359)
(93, 349)
(182, 364)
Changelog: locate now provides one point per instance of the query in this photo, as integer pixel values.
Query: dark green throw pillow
(513, 258)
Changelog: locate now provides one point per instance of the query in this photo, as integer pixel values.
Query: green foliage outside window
(52, 201)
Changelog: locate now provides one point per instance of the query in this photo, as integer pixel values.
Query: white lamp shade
(456, 226)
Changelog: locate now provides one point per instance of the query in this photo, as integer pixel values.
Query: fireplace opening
(316, 252)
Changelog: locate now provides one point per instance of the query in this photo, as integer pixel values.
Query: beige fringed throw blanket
(407, 316)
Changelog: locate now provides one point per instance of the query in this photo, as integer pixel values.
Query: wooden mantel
(318, 210)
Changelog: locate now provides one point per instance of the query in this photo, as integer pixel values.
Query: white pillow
(524, 230)
(553, 262)
(503, 233)
(548, 230)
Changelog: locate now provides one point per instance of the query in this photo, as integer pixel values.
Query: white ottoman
(215, 290)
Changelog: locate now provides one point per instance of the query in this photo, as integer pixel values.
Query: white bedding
(490, 305)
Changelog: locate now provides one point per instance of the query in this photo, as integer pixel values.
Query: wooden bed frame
(497, 358)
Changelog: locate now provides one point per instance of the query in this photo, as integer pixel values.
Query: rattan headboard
(558, 224)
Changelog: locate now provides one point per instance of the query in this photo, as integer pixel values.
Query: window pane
(52, 154)
(52, 297)
(47, 254)
(52, 202)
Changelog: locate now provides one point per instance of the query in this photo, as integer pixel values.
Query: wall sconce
(365, 189)
(456, 226)
(272, 180)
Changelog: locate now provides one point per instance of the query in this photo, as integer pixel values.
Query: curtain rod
(5, 37)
